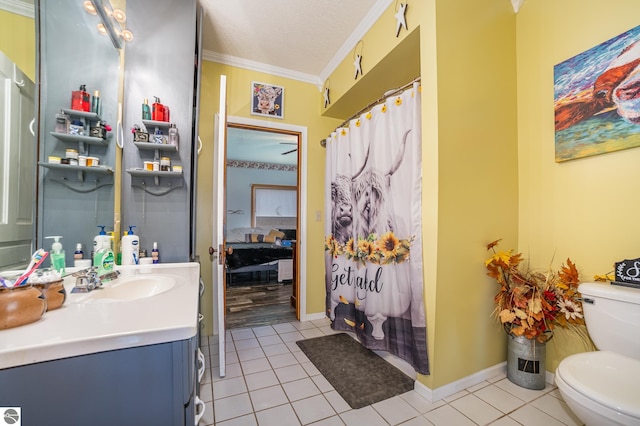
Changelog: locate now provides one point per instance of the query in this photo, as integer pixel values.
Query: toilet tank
(612, 315)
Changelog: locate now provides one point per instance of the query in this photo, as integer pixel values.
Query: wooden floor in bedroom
(259, 304)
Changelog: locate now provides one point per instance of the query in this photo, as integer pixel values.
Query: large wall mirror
(75, 198)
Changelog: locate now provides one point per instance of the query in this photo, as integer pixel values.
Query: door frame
(301, 279)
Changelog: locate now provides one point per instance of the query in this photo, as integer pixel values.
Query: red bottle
(81, 99)
(157, 110)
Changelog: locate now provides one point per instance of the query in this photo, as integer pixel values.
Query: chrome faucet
(87, 280)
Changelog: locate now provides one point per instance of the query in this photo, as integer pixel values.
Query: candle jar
(20, 305)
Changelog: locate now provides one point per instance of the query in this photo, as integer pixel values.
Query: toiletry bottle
(167, 113)
(173, 135)
(78, 254)
(155, 255)
(102, 240)
(62, 122)
(57, 255)
(81, 99)
(157, 110)
(130, 248)
(146, 110)
(104, 262)
(95, 102)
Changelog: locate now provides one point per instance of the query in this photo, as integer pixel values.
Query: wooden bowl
(54, 293)
(21, 305)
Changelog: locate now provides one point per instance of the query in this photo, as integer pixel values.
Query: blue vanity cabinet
(147, 385)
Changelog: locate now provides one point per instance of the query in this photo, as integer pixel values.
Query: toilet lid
(606, 377)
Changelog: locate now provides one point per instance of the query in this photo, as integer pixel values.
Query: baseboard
(466, 382)
(312, 317)
(459, 385)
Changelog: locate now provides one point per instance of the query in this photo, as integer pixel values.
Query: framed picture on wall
(267, 100)
(596, 99)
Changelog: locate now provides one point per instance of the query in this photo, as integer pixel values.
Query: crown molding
(365, 25)
(18, 7)
(221, 58)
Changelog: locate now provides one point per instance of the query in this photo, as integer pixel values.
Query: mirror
(75, 198)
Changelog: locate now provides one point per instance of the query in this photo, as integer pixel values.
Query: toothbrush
(36, 260)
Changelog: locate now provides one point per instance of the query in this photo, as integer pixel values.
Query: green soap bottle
(57, 255)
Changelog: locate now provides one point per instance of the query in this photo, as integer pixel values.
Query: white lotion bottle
(130, 248)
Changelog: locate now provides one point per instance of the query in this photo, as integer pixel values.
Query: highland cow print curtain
(373, 247)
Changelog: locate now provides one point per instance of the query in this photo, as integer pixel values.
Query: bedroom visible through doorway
(261, 225)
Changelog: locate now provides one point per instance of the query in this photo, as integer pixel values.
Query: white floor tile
(247, 344)
(310, 368)
(322, 383)
(337, 402)
(284, 328)
(395, 410)
(231, 371)
(499, 398)
(293, 346)
(291, 337)
(261, 380)
(421, 404)
(242, 334)
(327, 330)
(291, 373)
(311, 333)
(268, 398)
(363, 416)
(448, 416)
(249, 354)
(557, 409)
(479, 386)
(322, 322)
(265, 330)
(234, 406)
(417, 421)
(277, 349)
(248, 420)
(270, 340)
(229, 387)
(505, 421)
(531, 416)
(476, 409)
(231, 358)
(331, 421)
(282, 360)
(300, 389)
(312, 409)
(255, 365)
(282, 415)
(526, 395)
(456, 395)
(300, 356)
(206, 392)
(303, 325)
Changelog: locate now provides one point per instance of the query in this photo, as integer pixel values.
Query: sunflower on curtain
(373, 228)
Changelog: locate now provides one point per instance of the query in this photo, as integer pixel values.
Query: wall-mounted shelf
(82, 114)
(66, 137)
(156, 175)
(156, 148)
(154, 123)
(80, 171)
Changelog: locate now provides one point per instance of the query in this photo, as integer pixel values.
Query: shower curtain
(373, 245)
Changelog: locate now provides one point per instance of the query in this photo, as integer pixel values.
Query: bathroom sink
(130, 288)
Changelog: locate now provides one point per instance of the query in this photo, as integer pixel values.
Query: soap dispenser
(130, 248)
(102, 240)
(57, 255)
(81, 99)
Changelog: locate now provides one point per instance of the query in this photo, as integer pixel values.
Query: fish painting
(597, 99)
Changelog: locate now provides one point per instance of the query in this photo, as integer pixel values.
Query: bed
(258, 251)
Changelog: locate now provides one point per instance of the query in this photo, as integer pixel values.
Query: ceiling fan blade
(289, 152)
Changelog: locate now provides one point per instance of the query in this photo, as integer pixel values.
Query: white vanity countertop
(84, 328)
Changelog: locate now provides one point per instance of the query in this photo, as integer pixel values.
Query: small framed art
(267, 100)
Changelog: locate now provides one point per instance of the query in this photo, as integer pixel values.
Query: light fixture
(112, 21)
(88, 6)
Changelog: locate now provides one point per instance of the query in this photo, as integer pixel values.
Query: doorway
(261, 219)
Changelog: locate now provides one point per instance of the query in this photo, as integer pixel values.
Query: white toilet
(603, 387)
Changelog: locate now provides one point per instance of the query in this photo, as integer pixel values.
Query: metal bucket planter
(526, 362)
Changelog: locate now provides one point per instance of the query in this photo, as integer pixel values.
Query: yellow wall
(470, 179)
(585, 209)
(18, 41)
(301, 109)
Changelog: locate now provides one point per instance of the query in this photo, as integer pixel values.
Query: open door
(218, 249)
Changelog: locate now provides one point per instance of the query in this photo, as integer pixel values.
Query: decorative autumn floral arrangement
(381, 251)
(531, 303)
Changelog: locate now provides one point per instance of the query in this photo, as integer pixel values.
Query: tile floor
(269, 381)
